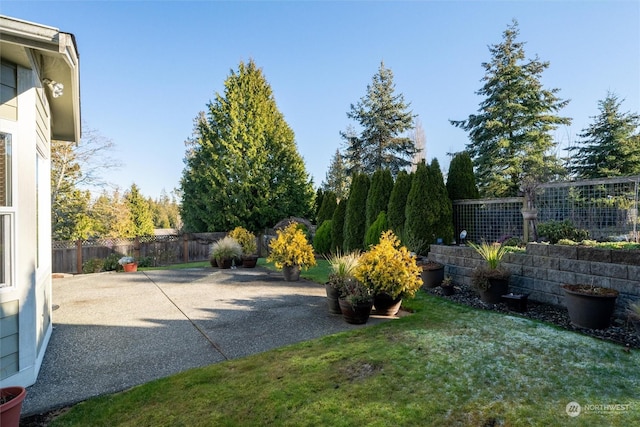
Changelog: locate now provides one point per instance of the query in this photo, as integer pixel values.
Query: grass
(446, 364)
(319, 273)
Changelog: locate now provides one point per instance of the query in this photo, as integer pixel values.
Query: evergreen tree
(337, 226)
(317, 203)
(122, 221)
(337, 179)
(461, 181)
(329, 203)
(510, 137)
(610, 146)
(383, 116)
(379, 194)
(140, 211)
(242, 164)
(419, 220)
(353, 152)
(355, 216)
(378, 227)
(441, 205)
(398, 202)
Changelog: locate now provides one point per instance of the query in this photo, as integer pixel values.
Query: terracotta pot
(357, 314)
(291, 273)
(10, 411)
(249, 261)
(588, 310)
(432, 278)
(385, 305)
(130, 267)
(332, 299)
(497, 288)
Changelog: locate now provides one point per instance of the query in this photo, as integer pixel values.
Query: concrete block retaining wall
(542, 269)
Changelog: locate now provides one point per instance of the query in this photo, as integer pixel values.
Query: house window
(6, 212)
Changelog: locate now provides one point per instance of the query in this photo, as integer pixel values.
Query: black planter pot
(225, 262)
(432, 278)
(385, 305)
(588, 310)
(497, 288)
(332, 299)
(357, 314)
(291, 273)
(249, 261)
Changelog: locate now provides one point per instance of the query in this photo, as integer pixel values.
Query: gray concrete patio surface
(113, 331)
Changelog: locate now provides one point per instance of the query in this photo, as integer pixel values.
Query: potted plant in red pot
(11, 399)
(128, 263)
(391, 272)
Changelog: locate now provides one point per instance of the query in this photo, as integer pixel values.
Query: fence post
(136, 248)
(185, 248)
(79, 256)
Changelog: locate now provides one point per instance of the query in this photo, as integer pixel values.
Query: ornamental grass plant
(291, 248)
(389, 268)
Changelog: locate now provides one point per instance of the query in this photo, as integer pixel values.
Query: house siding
(9, 338)
(8, 92)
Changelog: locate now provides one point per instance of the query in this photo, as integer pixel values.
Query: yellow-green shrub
(290, 248)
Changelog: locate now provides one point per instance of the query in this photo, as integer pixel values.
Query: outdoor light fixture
(463, 235)
(56, 88)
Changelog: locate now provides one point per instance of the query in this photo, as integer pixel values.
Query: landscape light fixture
(56, 88)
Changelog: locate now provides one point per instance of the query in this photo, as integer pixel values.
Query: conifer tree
(419, 220)
(398, 202)
(317, 202)
(610, 146)
(355, 216)
(441, 205)
(337, 227)
(336, 178)
(242, 163)
(461, 182)
(329, 203)
(379, 194)
(374, 231)
(511, 135)
(140, 212)
(384, 118)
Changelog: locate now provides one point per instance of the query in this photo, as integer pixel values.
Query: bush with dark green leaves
(337, 227)
(378, 227)
(111, 262)
(553, 231)
(461, 181)
(322, 239)
(94, 265)
(355, 219)
(398, 202)
(379, 194)
(329, 203)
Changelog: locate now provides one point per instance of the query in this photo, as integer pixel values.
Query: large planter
(225, 262)
(356, 314)
(497, 288)
(590, 307)
(10, 411)
(385, 305)
(529, 214)
(432, 276)
(332, 299)
(249, 261)
(291, 273)
(130, 267)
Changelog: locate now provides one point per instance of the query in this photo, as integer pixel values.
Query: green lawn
(319, 273)
(446, 364)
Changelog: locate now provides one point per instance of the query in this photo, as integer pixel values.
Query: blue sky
(148, 67)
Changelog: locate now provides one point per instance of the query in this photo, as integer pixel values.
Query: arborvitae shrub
(355, 219)
(419, 220)
(443, 210)
(461, 181)
(322, 239)
(398, 202)
(377, 228)
(329, 203)
(337, 227)
(379, 194)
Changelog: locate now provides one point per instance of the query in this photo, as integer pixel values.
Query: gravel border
(620, 332)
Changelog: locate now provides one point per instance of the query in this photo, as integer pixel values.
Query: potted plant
(249, 246)
(342, 267)
(490, 280)
(11, 399)
(291, 251)
(356, 301)
(390, 271)
(447, 286)
(224, 251)
(128, 263)
(590, 306)
(432, 273)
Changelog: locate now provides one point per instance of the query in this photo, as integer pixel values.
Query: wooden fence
(69, 256)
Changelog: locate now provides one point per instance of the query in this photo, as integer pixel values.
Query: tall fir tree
(355, 216)
(354, 153)
(398, 202)
(510, 137)
(379, 195)
(140, 211)
(337, 227)
(461, 181)
(610, 146)
(384, 117)
(337, 178)
(242, 163)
